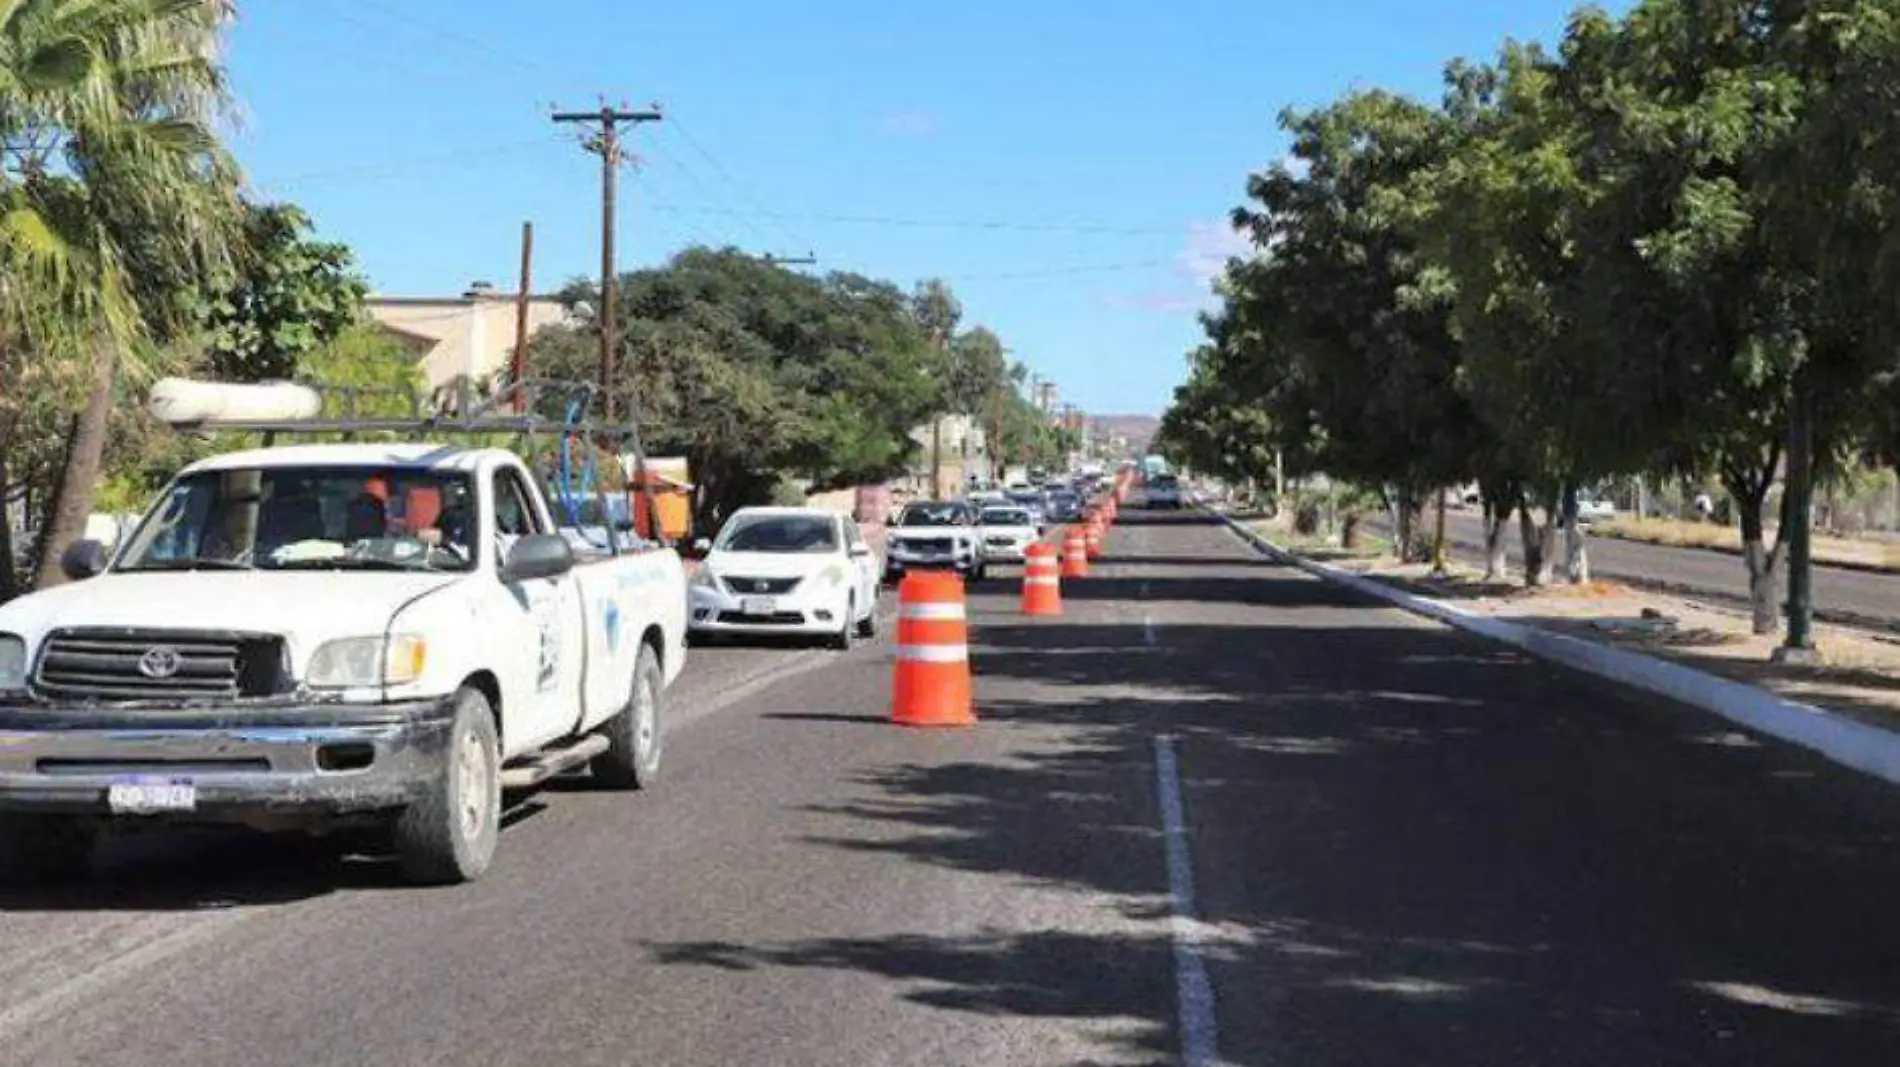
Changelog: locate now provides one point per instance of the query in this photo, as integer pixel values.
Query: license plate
(759, 605)
(151, 797)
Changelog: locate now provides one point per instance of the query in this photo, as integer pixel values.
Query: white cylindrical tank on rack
(184, 402)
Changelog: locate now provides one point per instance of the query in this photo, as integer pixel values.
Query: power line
(745, 193)
(1058, 272)
(403, 166)
(346, 11)
(674, 163)
(947, 224)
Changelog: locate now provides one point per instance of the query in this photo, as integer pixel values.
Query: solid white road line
(1194, 994)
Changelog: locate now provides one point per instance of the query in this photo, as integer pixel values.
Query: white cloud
(909, 122)
(1209, 246)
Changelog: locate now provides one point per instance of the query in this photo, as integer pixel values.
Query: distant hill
(1139, 429)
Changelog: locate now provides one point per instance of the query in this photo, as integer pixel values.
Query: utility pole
(518, 369)
(606, 143)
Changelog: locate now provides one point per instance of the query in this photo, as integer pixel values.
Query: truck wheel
(43, 849)
(449, 834)
(632, 759)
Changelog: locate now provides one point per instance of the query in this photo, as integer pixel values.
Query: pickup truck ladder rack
(520, 408)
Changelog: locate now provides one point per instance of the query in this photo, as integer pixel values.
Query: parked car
(939, 534)
(303, 636)
(1007, 531)
(787, 571)
(1591, 508)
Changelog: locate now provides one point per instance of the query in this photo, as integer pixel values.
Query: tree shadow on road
(1412, 847)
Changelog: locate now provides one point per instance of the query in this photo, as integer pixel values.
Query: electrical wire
(946, 224)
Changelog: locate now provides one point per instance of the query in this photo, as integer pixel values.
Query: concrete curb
(1848, 742)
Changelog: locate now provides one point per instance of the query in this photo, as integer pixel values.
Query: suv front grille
(111, 664)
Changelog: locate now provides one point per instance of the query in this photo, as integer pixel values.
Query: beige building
(470, 337)
(964, 452)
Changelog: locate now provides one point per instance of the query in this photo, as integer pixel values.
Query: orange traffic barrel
(1092, 538)
(1075, 553)
(933, 652)
(1042, 588)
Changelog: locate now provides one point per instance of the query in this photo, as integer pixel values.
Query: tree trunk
(1797, 515)
(9, 574)
(1497, 517)
(79, 483)
(1438, 536)
(1535, 571)
(1750, 493)
(1548, 557)
(1576, 558)
(1408, 528)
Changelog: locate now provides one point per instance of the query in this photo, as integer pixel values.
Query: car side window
(513, 515)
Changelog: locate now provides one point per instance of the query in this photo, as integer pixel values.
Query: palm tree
(115, 196)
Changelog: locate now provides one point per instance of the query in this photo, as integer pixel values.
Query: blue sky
(1064, 164)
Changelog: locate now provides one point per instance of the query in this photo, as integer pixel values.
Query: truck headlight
(12, 663)
(356, 662)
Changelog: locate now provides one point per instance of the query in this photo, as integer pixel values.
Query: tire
(634, 740)
(45, 849)
(847, 627)
(867, 626)
(449, 834)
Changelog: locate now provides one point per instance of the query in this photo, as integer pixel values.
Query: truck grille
(761, 586)
(103, 664)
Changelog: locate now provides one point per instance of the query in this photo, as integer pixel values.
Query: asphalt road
(1853, 596)
(1393, 845)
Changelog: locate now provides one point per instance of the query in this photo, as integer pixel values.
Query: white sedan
(1005, 533)
(799, 571)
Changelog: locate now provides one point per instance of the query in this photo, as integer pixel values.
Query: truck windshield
(781, 533)
(309, 518)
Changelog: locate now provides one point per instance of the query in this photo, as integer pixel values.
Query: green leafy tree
(756, 373)
(110, 173)
(288, 296)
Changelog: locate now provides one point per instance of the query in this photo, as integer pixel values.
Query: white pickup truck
(319, 635)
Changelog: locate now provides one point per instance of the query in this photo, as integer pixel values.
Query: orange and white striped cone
(1092, 538)
(1042, 588)
(1075, 553)
(932, 686)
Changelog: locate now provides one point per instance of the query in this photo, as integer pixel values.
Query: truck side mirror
(538, 556)
(83, 559)
(702, 546)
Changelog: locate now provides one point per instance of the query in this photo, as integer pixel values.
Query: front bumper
(799, 612)
(1011, 552)
(242, 761)
(897, 562)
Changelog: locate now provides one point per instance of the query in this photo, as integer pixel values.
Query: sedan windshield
(309, 518)
(933, 515)
(781, 533)
(1006, 517)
